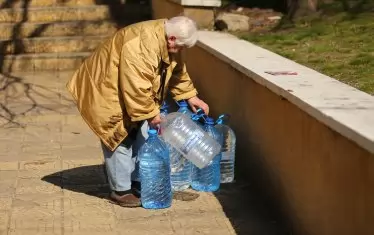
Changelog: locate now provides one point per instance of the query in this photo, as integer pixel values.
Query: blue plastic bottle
(228, 150)
(180, 166)
(208, 179)
(154, 167)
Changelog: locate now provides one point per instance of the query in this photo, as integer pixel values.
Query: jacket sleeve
(136, 76)
(180, 85)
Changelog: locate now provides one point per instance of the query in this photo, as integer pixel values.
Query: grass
(339, 45)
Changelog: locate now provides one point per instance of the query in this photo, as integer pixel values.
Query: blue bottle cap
(209, 121)
(182, 103)
(152, 132)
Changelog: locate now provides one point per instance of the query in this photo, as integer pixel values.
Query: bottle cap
(209, 121)
(182, 103)
(152, 132)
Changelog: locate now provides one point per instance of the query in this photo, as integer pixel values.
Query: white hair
(183, 29)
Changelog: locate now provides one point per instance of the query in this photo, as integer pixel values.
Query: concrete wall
(321, 180)
(307, 141)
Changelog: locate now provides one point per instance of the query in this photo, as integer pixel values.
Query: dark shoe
(127, 200)
(185, 196)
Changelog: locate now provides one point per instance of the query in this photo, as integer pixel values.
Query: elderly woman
(119, 90)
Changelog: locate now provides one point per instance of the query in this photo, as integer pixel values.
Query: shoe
(185, 196)
(135, 188)
(127, 200)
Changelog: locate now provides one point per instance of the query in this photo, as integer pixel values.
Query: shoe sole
(127, 205)
(185, 196)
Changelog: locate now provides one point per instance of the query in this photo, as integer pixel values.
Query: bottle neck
(152, 137)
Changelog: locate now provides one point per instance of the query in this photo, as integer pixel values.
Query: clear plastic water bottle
(208, 179)
(164, 109)
(228, 150)
(180, 166)
(188, 138)
(154, 168)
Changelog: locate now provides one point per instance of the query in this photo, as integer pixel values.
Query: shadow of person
(89, 180)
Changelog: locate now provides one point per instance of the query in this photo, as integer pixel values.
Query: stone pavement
(51, 178)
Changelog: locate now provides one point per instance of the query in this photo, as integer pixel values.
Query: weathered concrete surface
(51, 179)
(307, 139)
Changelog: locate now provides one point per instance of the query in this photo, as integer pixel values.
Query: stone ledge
(343, 108)
(200, 3)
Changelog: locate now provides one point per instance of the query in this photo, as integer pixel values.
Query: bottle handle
(158, 128)
(199, 113)
(223, 118)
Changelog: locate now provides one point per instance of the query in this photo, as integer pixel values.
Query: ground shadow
(89, 180)
(249, 212)
(19, 98)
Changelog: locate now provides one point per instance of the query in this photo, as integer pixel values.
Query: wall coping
(341, 107)
(203, 3)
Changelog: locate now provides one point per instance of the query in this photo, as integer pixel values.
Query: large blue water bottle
(228, 149)
(208, 178)
(180, 166)
(154, 167)
(164, 109)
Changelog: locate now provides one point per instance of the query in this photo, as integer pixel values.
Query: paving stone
(160, 225)
(43, 61)
(38, 174)
(38, 231)
(79, 138)
(45, 3)
(81, 152)
(5, 204)
(52, 44)
(69, 164)
(4, 219)
(42, 150)
(8, 166)
(55, 14)
(37, 212)
(7, 188)
(86, 216)
(57, 29)
(90, 232)
(36, 186)
(6, 176)
(43, 164)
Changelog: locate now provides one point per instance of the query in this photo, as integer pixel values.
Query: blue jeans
(122, 164)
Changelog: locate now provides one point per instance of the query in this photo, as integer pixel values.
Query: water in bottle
(208, 179)
(188, 138)
(180, 166)
(154, 167)
(228, 150)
